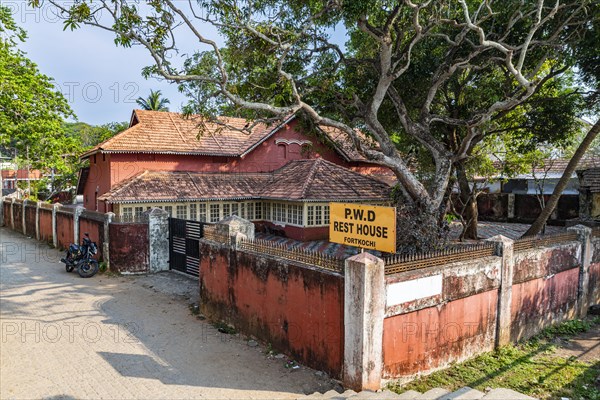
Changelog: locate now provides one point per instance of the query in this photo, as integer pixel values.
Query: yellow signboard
(368, 227)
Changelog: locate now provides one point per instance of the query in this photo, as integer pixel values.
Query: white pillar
(504, 249)
(364, 310)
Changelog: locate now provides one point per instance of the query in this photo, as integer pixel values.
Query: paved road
(64, 337)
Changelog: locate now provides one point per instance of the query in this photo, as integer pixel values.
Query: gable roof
(303, 180)
(162, 132)
(172, 133)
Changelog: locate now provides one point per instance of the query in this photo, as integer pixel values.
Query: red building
(165, 160)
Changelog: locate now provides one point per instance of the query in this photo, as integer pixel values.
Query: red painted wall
(542, 302)
(98, 181)
(64, 229)
(45, 225)
(30, 224)
(7, 214)
(594, 287)
(96, 231)
(298, 310)
(129, 248)
(18, 216)
(109, 169)
(432, 337)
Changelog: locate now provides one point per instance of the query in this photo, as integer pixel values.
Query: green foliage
(569, 328)
(532, 368)
(88, 135)
(153, 102)
(31, 109)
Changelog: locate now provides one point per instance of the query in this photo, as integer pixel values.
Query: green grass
(531, 367)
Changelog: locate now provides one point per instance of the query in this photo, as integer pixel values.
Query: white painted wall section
(402, 292)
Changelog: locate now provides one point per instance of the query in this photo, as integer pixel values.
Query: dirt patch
(584, 347)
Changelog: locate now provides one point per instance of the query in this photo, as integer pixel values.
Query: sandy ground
(64, 337)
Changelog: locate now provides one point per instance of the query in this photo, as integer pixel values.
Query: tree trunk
(539, 223)
(468, 202)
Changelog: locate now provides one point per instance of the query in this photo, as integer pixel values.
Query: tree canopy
(153, 102)
(31, 108)
(439, 76)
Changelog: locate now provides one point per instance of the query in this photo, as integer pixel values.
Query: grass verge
(530, 367)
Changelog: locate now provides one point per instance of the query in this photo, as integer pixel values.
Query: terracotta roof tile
(322, 180)
(168, 132)
(304, 180)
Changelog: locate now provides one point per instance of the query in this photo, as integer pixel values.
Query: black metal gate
(184, 245)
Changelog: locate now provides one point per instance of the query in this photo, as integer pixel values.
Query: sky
(100, 80)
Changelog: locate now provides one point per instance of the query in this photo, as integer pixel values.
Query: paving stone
(505, 394)
(433, 394)
(465, 393)
(409, 395)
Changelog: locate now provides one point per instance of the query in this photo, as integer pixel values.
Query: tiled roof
(590, 179)
(304, 180)
(344, 145)
(322, 180)
(185, 186)
(168, 132)
(172, 133)
(555, 166)
(21, 174)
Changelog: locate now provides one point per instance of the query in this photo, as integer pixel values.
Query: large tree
(278, 57)
(31, 109)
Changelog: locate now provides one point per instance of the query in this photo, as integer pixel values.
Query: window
(318, 215)
(139, 211)
(250, 210)
(127, 212)
(243, 210)
(194, 212)
(258, 211)
(279, 212)
(226, 210)
(214, 212)
(202, 212)
(182, 212)
(290, 213)
(234, 209)
(268, 212)
(169, 210)
(310, 216)
(326, 215)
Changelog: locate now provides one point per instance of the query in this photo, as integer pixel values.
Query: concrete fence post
(233, 225)
(37, 220)
(23, 219)
(158, 237)
(1, 209)
(584, 235)
(108, 217)
(54, 225)
(364, 310)
(76, 214)
(511, 206)
(504, 249)
(12, 214)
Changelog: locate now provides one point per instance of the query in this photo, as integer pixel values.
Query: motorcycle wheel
(87, 268)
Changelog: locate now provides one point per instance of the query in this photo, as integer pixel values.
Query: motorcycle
(81, 256)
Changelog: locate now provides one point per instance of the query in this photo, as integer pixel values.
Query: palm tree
(154, 102)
